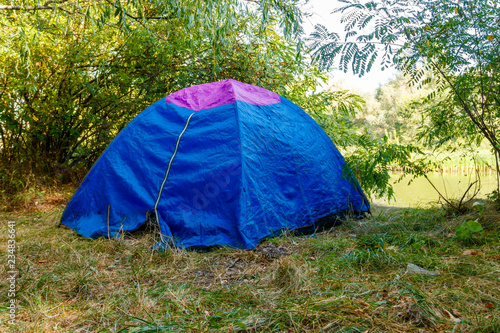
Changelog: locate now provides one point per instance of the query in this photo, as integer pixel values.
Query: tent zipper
(155, 209)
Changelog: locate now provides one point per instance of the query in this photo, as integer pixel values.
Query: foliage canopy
(457, 43)
(73, 74)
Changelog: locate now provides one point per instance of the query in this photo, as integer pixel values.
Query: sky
(321, 11)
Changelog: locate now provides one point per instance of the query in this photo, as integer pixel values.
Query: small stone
(471, 253)
(414, 269)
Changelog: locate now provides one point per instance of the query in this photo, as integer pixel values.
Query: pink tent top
(210, 95)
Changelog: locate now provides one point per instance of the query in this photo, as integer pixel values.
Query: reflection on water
(420, 193)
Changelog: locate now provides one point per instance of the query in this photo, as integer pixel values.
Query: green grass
(350, 279)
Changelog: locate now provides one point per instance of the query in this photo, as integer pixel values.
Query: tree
(209, 20)
(391, 110)
(458, 42)
(73, 74)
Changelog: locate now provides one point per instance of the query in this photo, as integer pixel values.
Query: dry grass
(351, 279)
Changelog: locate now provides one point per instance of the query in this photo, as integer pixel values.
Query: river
(420, 193)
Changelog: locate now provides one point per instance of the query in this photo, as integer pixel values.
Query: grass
(350, 279)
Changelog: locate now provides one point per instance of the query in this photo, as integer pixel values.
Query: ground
(353, 278)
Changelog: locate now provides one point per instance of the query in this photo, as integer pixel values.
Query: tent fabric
(248, 164)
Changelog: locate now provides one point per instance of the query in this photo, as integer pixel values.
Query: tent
(222, 163)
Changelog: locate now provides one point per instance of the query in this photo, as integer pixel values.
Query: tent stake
(107, 220)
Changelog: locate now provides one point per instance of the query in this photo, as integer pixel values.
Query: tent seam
(238, 125)
(167, 172)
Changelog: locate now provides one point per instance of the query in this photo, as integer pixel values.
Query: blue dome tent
(223, 163)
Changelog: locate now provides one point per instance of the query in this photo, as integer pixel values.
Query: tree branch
(32, 8)
(47, 6)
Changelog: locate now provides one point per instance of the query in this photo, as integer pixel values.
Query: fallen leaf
(452, 317)
(471, 253)
(363, 303)
(490, 305)
(404, 302)
(360, 312)
(42, 261)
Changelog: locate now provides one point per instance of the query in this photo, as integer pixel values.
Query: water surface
(420, 193)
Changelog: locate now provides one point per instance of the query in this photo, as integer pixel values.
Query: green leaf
(241, 325)
(473, 226)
